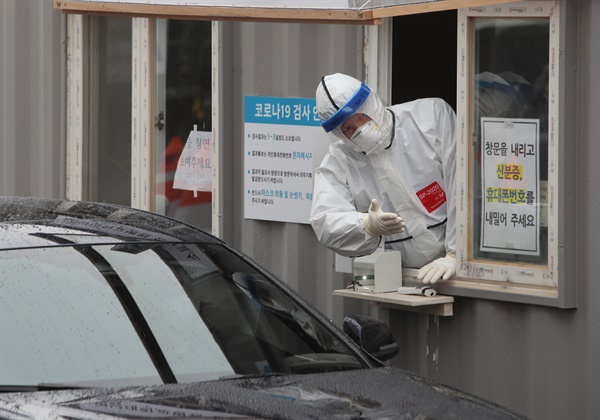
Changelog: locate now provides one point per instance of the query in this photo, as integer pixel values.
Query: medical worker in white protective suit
(388, 177)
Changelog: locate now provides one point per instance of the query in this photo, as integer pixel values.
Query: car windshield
(136, 314)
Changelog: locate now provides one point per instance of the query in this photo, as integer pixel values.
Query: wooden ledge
(435, 305)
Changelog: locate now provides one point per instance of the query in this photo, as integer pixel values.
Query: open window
(508, 162)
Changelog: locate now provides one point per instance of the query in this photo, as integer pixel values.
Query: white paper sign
(194, 169)
(284, 143)
(510, 186)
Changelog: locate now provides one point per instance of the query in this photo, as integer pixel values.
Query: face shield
(350, 111)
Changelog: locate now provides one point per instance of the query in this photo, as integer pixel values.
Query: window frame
(518, 283)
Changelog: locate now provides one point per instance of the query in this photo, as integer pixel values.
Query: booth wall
(542, 362)
(286, 60)
(32, 104)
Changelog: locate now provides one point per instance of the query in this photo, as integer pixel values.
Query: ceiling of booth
(364, 12)
(279, 4)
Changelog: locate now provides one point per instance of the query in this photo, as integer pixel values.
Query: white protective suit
(411, 173)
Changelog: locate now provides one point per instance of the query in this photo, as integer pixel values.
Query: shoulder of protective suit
(423, 106)
(334, 163)
(441, 104)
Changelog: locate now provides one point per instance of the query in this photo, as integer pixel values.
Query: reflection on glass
(510, 82)
(110, 148)
(184, 72)
(127, 314)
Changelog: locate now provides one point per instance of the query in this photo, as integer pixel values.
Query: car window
(257, 325)
(121, 314)
(184, 338)
(60, 322)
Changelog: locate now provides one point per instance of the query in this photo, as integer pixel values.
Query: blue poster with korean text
(283, 144)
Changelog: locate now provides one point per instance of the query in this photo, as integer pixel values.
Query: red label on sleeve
(432, 196)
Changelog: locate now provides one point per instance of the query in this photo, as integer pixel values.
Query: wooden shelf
(435, 305)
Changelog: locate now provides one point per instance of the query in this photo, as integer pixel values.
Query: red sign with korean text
(432, 196)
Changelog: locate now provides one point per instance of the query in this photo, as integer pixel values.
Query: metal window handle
(159, 120)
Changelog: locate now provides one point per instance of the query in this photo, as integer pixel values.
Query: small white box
(383, 267)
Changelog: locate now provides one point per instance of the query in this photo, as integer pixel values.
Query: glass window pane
(62, 323)
(184, 95)
(110, 153)
(184, 338)
(509, 122)
(70, 315)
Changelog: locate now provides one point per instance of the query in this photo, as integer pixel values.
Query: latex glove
(378, 223)
(442, 268)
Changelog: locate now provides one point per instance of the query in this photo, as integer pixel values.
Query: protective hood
(340, 96)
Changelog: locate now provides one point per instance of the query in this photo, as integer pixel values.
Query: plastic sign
(510, 173)
(284, 143)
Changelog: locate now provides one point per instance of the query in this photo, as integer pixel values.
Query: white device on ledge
(425, 291)
(379, 272)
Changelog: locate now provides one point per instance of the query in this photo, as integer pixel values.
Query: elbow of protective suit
(344, 234)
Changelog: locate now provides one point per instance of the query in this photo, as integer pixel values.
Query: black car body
(112, 312)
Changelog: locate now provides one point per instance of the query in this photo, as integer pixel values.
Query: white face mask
(367, 137)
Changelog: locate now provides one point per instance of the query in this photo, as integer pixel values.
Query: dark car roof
(124, 224)
(378, 393)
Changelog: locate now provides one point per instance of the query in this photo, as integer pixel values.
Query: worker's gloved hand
(442, 268)
(378, 223)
